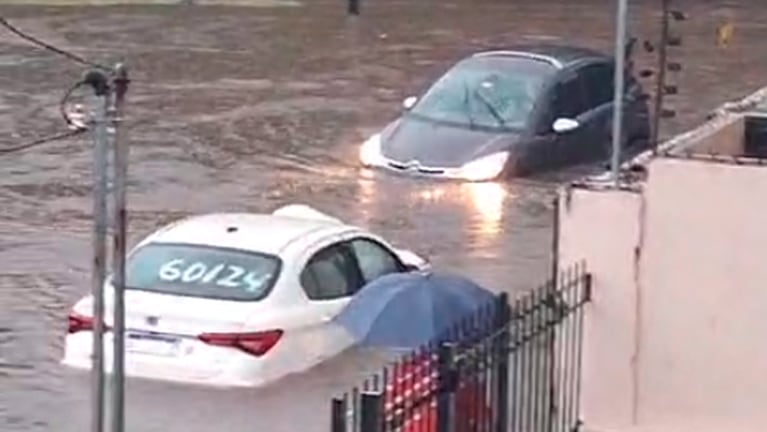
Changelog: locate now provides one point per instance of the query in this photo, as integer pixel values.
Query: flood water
(249, 108)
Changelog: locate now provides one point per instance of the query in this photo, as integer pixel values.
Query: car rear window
(201, 271)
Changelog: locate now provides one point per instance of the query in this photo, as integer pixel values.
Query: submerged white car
(235, 299)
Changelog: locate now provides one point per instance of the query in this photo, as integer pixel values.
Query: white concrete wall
(675, 335)
(601, 227)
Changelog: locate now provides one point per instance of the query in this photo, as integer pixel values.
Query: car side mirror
(564, 125)
(409, 102)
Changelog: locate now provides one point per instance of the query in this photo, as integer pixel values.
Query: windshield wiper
(490, 107)
(467, 104)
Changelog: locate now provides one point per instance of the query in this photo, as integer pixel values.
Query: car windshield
(488, 92)
(201, 271)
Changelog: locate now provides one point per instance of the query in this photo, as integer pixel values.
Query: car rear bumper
(158, 375)
(237, 370)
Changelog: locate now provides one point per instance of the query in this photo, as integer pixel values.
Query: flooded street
(250, 108)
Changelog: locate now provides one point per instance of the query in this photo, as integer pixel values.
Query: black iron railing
(507, 367)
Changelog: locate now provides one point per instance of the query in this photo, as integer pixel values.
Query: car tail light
(257, 344)
(77, 323)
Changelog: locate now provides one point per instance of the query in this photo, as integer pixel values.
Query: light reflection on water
(484, 203)
(488, 200)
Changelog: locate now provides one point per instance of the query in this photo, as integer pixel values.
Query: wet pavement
(251, 108)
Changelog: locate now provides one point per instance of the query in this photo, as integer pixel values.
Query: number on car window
(225, 275)
(230, 280)
(170, 271)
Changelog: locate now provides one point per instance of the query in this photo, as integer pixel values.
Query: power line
(73, 124)
(41, 141)
(48, 47)
(76, 126)
(95, 79)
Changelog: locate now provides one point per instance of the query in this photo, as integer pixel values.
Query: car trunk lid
(165, 325)
(180, 315)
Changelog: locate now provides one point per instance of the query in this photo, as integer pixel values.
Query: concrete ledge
(240, 3)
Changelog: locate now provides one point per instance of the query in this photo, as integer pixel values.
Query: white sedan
(235, 299)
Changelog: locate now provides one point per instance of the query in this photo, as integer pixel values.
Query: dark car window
(568, 100)
(597, 80)
(201, 271)
(374, 259)
(330, 274)
(489, 92)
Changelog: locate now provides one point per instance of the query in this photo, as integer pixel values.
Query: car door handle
(327, 318)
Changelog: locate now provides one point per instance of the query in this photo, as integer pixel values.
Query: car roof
(560, 56)
(264, 233)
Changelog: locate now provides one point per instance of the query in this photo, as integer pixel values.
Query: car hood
(435, 144)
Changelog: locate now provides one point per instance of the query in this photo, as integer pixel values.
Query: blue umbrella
(406, 310)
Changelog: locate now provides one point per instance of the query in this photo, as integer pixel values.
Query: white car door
(329, 278)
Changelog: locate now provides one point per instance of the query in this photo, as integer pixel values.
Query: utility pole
(98, 81)
(110, 86)
(120, 159)
(621, 19)
(110, 91)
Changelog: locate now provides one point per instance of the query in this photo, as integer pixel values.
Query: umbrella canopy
(406, 310)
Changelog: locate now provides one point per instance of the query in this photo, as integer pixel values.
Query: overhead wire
(63, 106)
(48, 47)
(41, 141)
(75, 127)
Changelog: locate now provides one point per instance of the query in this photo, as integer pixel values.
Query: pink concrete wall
(602, 228)
(703, 281)
(726, 137)
(675, 334)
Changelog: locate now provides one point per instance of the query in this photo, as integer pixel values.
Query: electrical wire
(75, 128)
(41, 141)
(48, 47)
(63, 105)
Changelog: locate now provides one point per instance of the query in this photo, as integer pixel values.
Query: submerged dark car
(511, 112)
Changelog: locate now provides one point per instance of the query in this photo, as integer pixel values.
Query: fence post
(553, 320)
(447, 377)
(587, 286)
(371, 412)
(501, 351)
(338, 415)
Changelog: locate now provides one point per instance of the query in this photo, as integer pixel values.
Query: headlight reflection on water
(488, 201)
(485, 202)
(480, 207)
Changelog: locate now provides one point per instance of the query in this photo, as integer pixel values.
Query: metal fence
(508, 367)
